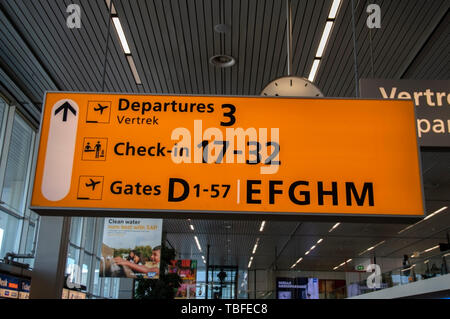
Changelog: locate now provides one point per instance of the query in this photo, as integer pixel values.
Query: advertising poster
(24, 292)
(9, 286)
(297, 288)
(187, 270)
(131, 248)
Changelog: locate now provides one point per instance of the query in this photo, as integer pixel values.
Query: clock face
(291, 86)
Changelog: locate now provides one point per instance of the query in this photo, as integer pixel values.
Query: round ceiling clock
(291, 86)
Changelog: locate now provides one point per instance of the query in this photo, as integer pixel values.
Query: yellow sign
(232, 155)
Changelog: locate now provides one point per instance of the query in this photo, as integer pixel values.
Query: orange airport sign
(159, 154)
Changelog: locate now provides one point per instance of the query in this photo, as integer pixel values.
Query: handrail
(400, 276)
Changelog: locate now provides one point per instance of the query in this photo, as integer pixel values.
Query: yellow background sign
(101, 152)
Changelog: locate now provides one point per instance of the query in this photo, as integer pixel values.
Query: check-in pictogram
(94, 149)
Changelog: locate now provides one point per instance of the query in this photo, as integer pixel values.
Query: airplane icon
(92, 184)
(100, 108)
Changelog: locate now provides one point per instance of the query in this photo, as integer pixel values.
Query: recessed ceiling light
(222, 28)
(222, 61)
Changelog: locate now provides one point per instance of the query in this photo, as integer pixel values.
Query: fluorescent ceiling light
(312, 247)
(429, 216)
(348, 260)
(332, 228)
(121, 34)
(113, 9)
(263, 223)
(373, 247)
(430, 249)
(256, 246)
(198, 244)
(320, 240)
(436, 212)
(137, 79)
(324, 39)
(334, 9)
(299, 260)
(191, 226)
(314, 68)
(410, 226)
(307, 252)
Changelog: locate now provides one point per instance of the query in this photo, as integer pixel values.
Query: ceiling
(171, 42)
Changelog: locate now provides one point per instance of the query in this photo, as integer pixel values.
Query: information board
(158, 154)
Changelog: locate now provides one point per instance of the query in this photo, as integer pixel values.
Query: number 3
(229, 114)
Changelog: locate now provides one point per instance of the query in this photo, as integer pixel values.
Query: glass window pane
(14, 192)
(30, 238)
(89, 234)
(115, 288)
(96, 288)
(85, 269)
(75, 230)
(9, 233)
(106, 287)
(30, 244)
(84, 274)
(73, 258)
(2, 114)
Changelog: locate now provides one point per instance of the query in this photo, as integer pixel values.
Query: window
(30, 238)
(11, 236)
(1, 238)
(84, 256)
(16, 175)
(106, 287)
(84, 275)
(2, 117)
(96, 288)
(89, 234)
(76, 230)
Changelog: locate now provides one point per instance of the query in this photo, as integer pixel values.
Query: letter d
(127, 104)
(185, 186)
